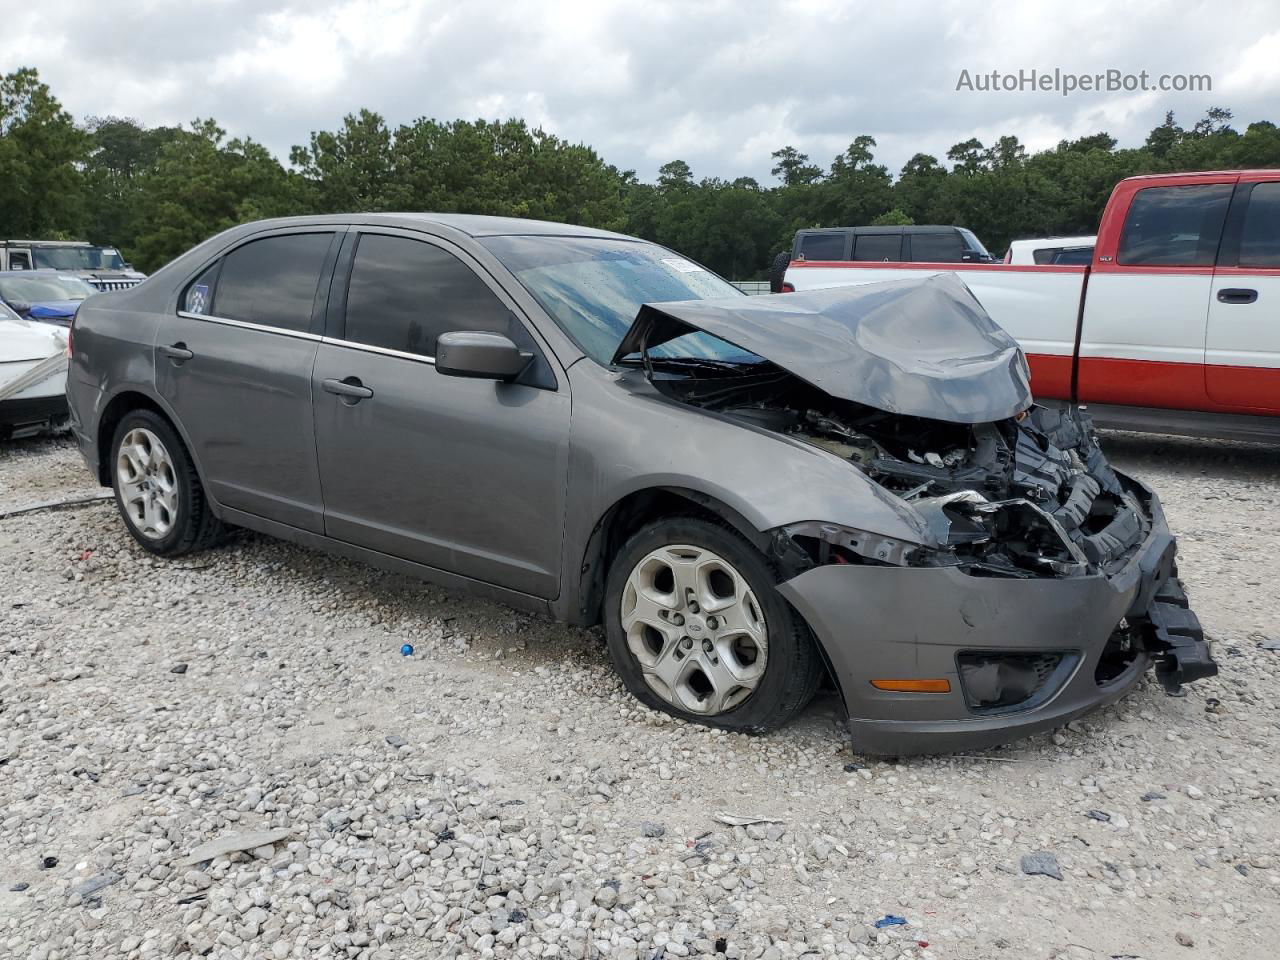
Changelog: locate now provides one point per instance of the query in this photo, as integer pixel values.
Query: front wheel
(697, 629)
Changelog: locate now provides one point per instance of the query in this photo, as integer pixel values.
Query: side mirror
(480, 355)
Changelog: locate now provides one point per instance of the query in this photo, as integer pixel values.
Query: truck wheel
(157, 489)
(778, 271)
(697, 629)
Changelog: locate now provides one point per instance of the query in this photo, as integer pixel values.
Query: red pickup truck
(1174, 325)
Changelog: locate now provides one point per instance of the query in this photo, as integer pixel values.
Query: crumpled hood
(922, 348)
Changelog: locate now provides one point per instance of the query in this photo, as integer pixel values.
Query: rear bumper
(913, 623)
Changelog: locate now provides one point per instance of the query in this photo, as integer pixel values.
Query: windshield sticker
(681, 265)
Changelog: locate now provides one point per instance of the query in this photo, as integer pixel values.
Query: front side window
(1174, 226)
(405, 293)
(937, 247)
(822, 246)
(1260, 237)
(273, 281)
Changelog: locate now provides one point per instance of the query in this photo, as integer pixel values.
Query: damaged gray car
(754, 495)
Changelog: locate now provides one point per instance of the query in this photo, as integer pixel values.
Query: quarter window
(1174, 226)
(199, 296)
(272, 281)
(405, 293)
(1260, 237)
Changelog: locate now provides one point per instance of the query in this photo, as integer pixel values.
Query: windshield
(594, 288)
(33, 289)
(77, 258)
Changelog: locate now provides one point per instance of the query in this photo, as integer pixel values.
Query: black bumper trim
(1175, 639)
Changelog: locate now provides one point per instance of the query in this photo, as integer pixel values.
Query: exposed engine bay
(1023, 497)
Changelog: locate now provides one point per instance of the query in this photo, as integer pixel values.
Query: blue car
(49, 296)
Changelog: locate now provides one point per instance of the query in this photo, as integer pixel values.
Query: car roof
(474, 225)
(886, 229)
(1054, 242)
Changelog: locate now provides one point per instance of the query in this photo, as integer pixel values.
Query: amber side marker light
(942, 685)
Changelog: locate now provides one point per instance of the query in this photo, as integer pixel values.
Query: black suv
(924, 244)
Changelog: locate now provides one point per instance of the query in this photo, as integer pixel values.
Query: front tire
(158, 491)
(697, 629)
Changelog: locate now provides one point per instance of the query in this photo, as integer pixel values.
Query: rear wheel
(157, 489)
(696, 628)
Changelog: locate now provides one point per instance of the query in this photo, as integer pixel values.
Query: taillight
(787, 287)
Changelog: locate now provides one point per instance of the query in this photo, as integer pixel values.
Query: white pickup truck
(1172, 327)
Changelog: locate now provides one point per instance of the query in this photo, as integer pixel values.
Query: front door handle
(176, 352)
(1237, 295)
(351, 390)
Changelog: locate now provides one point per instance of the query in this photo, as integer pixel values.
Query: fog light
(995, 680)
(940, 685)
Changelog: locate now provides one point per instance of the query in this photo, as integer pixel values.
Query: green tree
(793, 167)
(41, 155)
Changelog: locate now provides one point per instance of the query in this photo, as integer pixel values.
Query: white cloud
(720, 85)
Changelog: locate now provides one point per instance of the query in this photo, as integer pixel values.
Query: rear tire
(158, 491)
(696, 628)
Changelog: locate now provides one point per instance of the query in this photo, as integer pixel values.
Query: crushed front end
(1051, 587)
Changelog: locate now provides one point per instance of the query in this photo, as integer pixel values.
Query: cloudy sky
(718, 84)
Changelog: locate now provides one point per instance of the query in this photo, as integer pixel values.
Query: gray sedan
(753, 494)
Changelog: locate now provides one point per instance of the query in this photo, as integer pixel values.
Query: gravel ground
(499, 794)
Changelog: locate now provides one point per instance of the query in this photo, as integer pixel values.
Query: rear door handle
(1237, 295)
(350, 389)
(177, 352)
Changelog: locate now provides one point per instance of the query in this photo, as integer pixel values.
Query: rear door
(1242, 345)
(1146, 307)
(467, 476)
(234, 363)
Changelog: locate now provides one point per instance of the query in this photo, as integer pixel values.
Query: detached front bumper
(878, 622)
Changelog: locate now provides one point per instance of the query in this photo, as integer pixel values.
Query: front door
(467, 476)
(234, 363)
(1242, 345)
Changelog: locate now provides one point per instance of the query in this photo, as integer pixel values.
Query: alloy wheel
(696, 629)
(148, 483)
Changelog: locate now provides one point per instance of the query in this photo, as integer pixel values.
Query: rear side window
(878, 246)
(405, 293)
(272, 281)
(1260, 237)
(1174, 226)
(822, 246)
(937, 247)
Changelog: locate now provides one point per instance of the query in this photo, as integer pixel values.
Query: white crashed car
(33, 376)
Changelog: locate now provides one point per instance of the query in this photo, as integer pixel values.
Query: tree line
(154, 192)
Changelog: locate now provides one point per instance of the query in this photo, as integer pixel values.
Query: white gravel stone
(459, 805)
